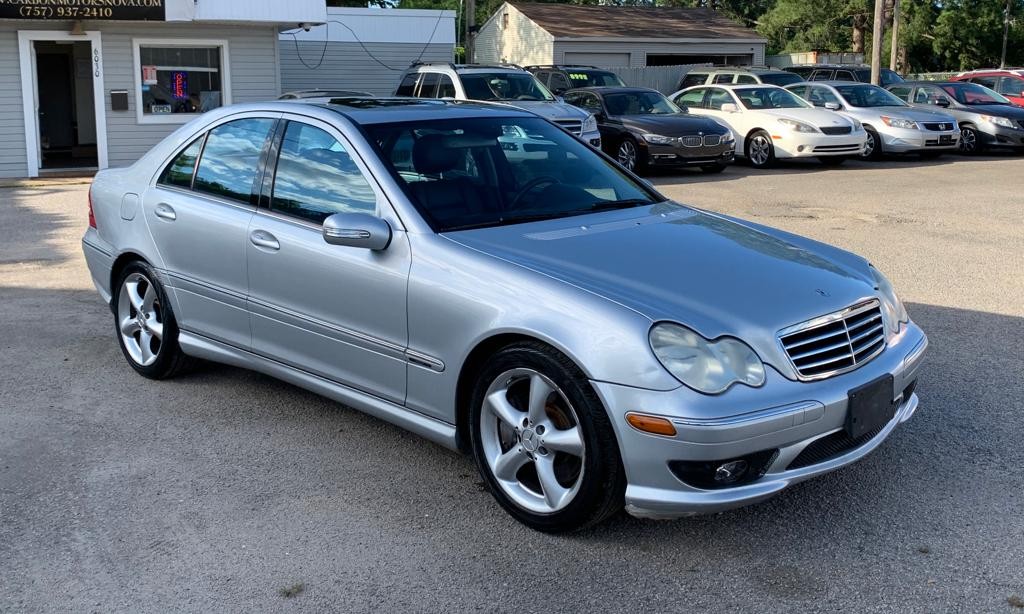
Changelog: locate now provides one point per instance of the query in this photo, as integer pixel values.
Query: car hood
(911, 113)
(815, 117)
(672, 125)
(718, 275)
(999, 110)
(549, 110)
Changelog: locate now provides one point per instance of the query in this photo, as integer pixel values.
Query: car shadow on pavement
(31, 221)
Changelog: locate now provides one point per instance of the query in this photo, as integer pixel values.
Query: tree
(821, 25)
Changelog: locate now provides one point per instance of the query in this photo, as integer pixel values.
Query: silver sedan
(480, 277)
(892, 125)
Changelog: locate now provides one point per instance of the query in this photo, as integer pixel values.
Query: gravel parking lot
(225, 490)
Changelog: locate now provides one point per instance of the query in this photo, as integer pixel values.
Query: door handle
(262, 238)
(165, 211)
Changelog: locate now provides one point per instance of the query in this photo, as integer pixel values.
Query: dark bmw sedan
(642, 129)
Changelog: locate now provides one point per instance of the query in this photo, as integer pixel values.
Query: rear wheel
(760, 150)
(146, 329)
(543, 442)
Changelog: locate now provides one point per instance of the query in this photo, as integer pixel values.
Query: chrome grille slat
(712, 140)
(835, 343)
(574, 126)
(691, 141)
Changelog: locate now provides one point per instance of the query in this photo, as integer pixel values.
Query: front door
(338, 312)
(199, 217)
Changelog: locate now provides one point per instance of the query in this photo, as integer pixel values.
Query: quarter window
(316, 177)
(179, 171)
(692, 79)
(428, 85)
(407, 86)
(746, 79)
(231, 158)
(178, 79)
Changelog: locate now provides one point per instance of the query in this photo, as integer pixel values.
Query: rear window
(231, 158)
(781, 79)
(407, 86)
(589, 78)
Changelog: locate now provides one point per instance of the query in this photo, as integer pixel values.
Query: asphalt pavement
(226, 490)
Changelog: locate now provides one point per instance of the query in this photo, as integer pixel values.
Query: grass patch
(294, 590)
(1015, 602)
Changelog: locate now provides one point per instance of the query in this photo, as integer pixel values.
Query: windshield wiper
(626, 203)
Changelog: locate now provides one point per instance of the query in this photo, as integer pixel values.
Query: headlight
(893, 311)
(999, 121)
(895, 122)
(657, 139)
(706, 366)
(590, 124)
(798, 126)
(728, 137)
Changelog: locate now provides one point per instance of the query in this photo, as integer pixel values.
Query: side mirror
(357, 230)
(729, 107)
(942, 102)
(833, 106)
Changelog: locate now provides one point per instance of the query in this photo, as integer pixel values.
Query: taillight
(92, 217)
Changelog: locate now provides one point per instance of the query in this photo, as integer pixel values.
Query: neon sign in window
(179, 85)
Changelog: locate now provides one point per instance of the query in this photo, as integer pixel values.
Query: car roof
(832, 83)
(757, 70)
(315, 93)
(926, 83)
(365, 111)
(472, 68)
(740, 86)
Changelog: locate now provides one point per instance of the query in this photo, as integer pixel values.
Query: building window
(178, 79)
(504, 21)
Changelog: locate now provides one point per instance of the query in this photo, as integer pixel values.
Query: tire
(969, 142)
(144, 324)
(713, 169)
(873, 149)
(551, 488)
(630, 156)
(759, 150)
(831, 160)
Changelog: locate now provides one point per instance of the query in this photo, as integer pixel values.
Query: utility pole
(876, 42)
(1006, 33)
(470, 23)
(894, 48)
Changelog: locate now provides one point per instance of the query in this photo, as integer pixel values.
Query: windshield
(588, 78)
(972, 94)
(869, 96)
(780, 78)
(503, 86)
(474, 173)
(639, 103)
(769, 98)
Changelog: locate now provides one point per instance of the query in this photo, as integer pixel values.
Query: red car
(1007, 81)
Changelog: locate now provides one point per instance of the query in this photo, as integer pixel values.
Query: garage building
(614, 36)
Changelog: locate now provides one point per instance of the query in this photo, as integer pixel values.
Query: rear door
(338, 312)
(198, 215)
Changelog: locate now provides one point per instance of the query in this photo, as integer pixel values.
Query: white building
(365, 49)
(92, 83)
(614, 36)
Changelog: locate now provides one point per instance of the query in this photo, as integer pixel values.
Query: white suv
(506, 84)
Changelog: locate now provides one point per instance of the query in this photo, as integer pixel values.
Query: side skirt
(424, 426)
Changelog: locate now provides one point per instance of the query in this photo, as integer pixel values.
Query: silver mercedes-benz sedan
(477, 275)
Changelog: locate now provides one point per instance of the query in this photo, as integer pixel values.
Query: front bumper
(790, 144)
(896, 140)
(677, 155)
(782, 416)
(592, 138)
(992, 135)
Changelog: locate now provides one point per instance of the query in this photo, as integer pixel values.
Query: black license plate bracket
(870, 406)
(945, 139)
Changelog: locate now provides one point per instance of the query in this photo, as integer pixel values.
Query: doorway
(66, 114)
(62, 96)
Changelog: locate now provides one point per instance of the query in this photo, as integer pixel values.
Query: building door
(66, 113)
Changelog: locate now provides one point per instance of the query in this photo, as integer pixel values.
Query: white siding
(253, 60)
(638, 50)
(522, 42)
(267, 11)
(347, 65)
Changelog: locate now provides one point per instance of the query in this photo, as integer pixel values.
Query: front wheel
(543, 442)
(630, 156)
(760, 150)
(969, 143)
(872, 146)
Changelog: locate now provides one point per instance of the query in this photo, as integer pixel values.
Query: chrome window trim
(213, 199)
(861, 306)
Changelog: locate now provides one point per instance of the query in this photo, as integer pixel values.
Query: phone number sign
(139, 10)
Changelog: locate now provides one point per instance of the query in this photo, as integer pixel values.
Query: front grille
(837, 342)
(691, 141)
(836, 129)
(572, 126)
(829, 447)
(712, 140)
(938, 126)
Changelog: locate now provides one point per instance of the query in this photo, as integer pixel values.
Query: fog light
(733, 471)
(800, 148)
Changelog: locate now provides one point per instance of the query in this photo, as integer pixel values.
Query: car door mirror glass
(833, 106)
(729, 107)
(357, 230)
(942, 102)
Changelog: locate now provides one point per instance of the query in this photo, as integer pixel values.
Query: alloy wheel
(532, 441)
(140, 319)
(869, 146)
(627, 154)
(760, 150)
(968, 140)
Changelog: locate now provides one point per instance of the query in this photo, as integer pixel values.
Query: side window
(407, 86)
(559, 82)
(693, 99)
(989, 82)
(725, 77)
(231, 158)
(445, 87)
(591, 103)
(693, 78)
(821, 75)
(845, 75)
(719, 97)
(542, 76)
(818, 96)
(799, 90)
(316, 177)
(901, 92)
(746, 79)
(1011, 86)
(428, 85)
(179, 171)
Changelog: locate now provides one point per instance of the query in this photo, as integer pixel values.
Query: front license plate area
(945, 139)
(870, 406)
